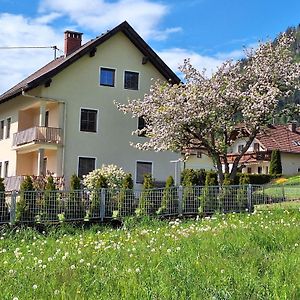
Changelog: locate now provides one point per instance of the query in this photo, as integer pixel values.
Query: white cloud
(100, 15)
(175, 57)
(16, 64)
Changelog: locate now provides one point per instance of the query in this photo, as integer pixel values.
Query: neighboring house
(198, 159)
(285, 138)
(62, 119)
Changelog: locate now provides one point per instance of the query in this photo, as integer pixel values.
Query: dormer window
(240, 148)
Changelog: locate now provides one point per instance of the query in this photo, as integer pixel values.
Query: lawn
(237, 256)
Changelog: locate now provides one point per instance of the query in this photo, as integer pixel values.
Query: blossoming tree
(211, 112)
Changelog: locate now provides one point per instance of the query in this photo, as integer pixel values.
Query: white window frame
(139, 81)
(142, 161)
(85, 156)
(98, 119)
(115, 79)
(1, 166)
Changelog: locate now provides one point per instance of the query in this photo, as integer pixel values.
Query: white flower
(34, 286)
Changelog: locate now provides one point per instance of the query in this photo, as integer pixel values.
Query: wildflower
(34, 286)
(72, 267)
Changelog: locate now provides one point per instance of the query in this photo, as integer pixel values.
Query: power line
(31, 47)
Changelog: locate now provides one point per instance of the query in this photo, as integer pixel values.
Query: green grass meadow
(236, 256)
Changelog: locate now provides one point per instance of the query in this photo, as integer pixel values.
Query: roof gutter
(41, 98)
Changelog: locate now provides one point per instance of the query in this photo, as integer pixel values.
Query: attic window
(296, 143)
(107, 77)
(131, 80)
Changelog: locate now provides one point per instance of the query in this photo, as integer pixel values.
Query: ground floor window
(86, 165)
(142, 168)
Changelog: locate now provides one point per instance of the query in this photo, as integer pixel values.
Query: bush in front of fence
(4, 213)
(125, 199)
(74, 206)
(146, 204)
(209, 195)
(26, 206)
(168, 204)
(51, 203)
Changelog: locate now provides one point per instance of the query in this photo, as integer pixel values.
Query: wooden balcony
(38, 135)
(250, 157)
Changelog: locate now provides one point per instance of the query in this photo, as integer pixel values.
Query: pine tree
(4, 215)
(168, 197)
(51, 204)
(275, 163)
(26, 206)
(74, 208)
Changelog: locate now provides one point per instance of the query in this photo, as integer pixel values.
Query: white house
(285, 138)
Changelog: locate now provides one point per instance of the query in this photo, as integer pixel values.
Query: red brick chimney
(72, 41)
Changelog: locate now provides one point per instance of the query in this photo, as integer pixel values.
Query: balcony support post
(41, 154)
(42, 116)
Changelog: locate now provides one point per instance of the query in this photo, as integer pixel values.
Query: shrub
(252, 178)
(275, 163)
(146, 204)
(51, 202)
(208, 199)
(125, 198)
(113, 175)
(194, 177)
(100, 183)
(168, 197)
(74, 208)
(26, 206)
(4, 214)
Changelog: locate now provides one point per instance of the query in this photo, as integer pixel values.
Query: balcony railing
(38, 135)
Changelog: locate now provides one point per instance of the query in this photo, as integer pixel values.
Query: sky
(206, 31)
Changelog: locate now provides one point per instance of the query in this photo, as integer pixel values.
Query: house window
(107, 77)
(0, 169)
(267, 170)
(142, 168)
(256, 147)
(141, 125)
(259, 170)
(8, 123)
(298, 170)
(6, 169)
(131, 80)
(240, 148)
(199, 154)
(2, 130)
(86, 165)
(249, 170)
(88, 120)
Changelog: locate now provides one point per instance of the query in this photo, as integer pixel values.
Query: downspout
(24, 94)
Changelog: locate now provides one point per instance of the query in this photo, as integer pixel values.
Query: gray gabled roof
(44, 75)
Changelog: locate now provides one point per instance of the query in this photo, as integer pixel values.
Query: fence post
(102, 204)
(180, 198)
(13, 207)
(249, 198)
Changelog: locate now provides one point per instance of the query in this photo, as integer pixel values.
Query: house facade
(62, 119)
(285, 138)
